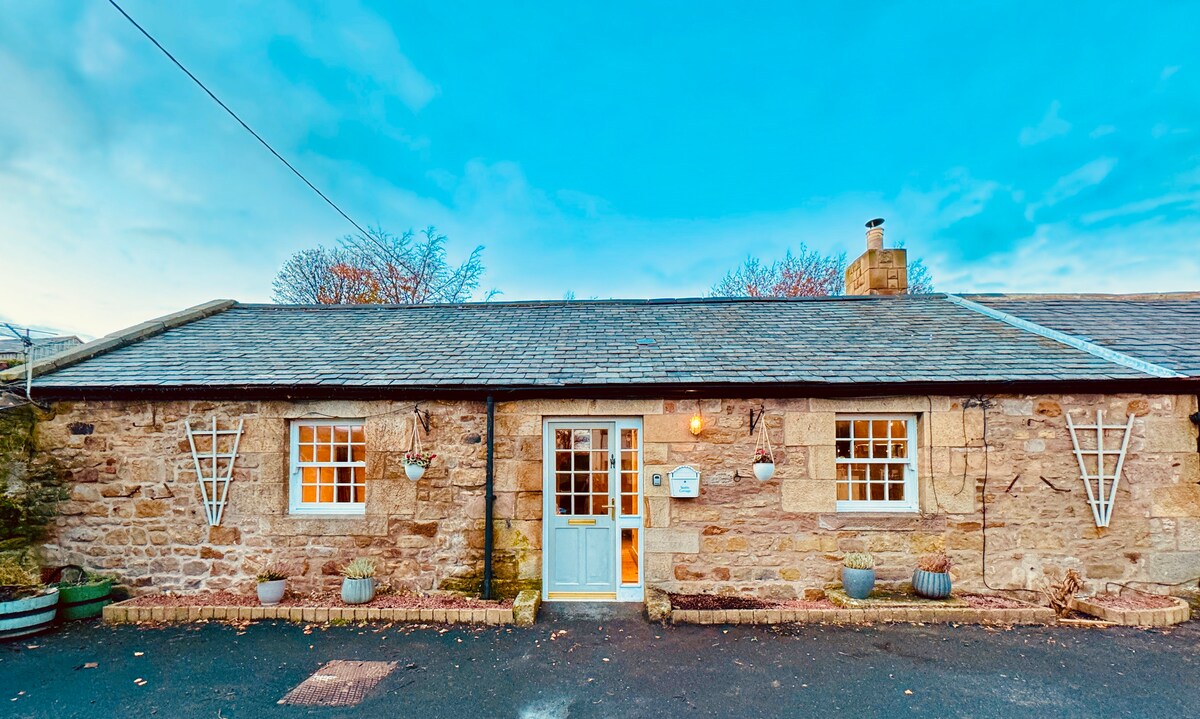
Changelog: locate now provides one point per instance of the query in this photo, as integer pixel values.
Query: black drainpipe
(488, 498)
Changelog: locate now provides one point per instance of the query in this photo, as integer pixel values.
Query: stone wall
(135, 508)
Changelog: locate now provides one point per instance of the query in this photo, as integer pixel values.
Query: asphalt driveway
(608, 667)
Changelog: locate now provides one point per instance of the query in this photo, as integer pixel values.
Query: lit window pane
(900, 449)
(879, 428)
(862, 428)
(843, 429)
(600, 481)
(324, 433)
(896, 492)
(341, 435)
(843, 472)
(562, 461)
(896, 472)
(629, 482)
(899, 428)
(879, 450)
(858, 491)
(628, 461)
(599, 504)
(628, 504)
(629, 556)
(862, 449)
(629, 439)
(878, 491)
(562, 439)
(843, 448)
(843, 491)
(601, 438)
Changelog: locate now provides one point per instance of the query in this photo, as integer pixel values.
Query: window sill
(349, 513)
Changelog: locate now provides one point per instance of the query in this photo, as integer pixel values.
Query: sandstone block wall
(135, 509)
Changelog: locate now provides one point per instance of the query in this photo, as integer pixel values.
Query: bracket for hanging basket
(1100, 495)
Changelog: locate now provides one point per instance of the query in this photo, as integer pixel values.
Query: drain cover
(338, 683)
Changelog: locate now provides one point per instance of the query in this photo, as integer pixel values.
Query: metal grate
(338, 684)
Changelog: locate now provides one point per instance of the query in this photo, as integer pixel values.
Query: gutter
(655, 390)
(116, 340)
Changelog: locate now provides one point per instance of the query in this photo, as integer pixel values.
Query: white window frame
(295, 506)
(911, 502)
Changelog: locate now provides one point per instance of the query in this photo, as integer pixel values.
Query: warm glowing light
(696, 424)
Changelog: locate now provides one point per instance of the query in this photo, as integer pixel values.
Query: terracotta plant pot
(28, 615)
(358, 591)
(931, 585)
(271, 593)
(414, 471)
(764, 470)
(858, 583)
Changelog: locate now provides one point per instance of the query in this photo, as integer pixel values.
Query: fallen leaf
(139, 654)
(908, 692)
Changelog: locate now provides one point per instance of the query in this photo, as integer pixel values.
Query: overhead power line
(241, 122)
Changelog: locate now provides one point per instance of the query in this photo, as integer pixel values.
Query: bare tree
(806, 273)
(380, 268)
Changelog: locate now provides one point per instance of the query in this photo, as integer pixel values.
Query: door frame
(625, 592)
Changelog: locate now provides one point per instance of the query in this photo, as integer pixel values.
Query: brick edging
(955, 615)
(1181, 612)
(126, 613)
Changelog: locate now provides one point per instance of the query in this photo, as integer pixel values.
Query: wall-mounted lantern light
(697, 424)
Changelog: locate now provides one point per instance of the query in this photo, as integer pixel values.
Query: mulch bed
(1133, 600)
(714, 601)
(991, 601)
(320, 599)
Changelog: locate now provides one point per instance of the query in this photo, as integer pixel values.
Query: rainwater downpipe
(488, 497)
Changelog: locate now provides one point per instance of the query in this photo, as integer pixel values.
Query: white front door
(592, 510)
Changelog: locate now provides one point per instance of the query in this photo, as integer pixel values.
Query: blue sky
(617, 150)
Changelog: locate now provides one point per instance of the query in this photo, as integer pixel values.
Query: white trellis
(1100, 495)
(214, 468)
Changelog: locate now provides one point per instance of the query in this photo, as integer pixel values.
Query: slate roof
(1163, 329)
(823, 341)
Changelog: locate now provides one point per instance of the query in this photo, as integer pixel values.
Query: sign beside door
(592, 510)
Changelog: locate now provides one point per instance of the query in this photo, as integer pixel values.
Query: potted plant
(416, 462)
(81, 594)
(272, 583)
(26, 605)
(764, 465)
(931, 579)
(358, 585)
(858, 574)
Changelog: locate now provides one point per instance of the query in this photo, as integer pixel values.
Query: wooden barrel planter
(79, 598)
(27, 615)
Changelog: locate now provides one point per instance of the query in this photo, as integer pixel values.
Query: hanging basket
(415, 459)
(764, 470)
(764, 456)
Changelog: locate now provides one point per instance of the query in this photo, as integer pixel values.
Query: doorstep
(523, 612)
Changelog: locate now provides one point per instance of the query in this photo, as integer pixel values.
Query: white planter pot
(271, 593)
(764, 470)
(414, 471)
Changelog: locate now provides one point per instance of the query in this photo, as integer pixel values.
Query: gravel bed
(1133, 600)
(714, 601)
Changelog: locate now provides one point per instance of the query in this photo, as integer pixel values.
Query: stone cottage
(898, 424)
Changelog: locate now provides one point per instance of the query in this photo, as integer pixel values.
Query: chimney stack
(878, 271)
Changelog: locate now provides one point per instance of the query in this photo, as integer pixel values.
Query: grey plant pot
(858, 583)
(358, 591)
(271, 593)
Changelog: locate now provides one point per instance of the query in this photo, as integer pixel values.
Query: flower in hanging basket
(416, 462)
(762, 456)
(419, 458)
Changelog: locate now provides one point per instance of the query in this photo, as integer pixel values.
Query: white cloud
(1051, 126)
(1073, 183)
